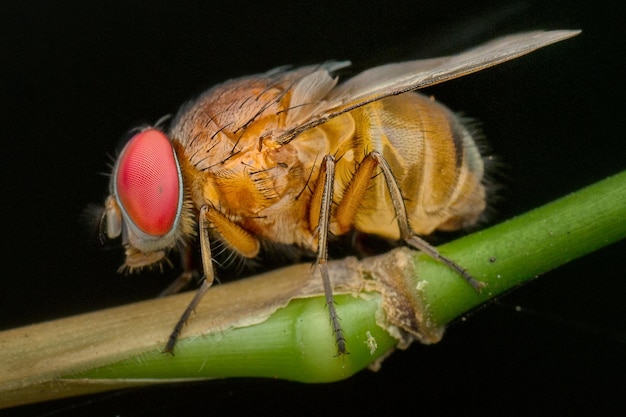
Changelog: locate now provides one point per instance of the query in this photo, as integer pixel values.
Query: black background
(77, 75)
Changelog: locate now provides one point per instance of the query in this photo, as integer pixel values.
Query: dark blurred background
(77, 75)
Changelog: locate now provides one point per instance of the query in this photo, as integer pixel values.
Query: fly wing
(392, 79)
(310, 89)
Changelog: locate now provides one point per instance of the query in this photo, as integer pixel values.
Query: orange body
(231, 162)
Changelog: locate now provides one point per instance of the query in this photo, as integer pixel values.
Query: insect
(292, 156)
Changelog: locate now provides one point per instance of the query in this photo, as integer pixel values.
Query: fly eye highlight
(147, 184)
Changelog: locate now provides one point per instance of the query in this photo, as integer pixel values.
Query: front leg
(189, 273)
(235, 237)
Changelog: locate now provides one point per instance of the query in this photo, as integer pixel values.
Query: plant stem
(522, 248)
(275, 325)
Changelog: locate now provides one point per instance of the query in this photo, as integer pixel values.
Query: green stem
(276, 325)
(522, 248)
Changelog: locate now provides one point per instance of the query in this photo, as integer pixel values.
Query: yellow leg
(236, 237)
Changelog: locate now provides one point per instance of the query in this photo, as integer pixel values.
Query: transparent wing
(392, 79)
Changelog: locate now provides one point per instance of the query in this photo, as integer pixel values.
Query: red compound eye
(147, 181)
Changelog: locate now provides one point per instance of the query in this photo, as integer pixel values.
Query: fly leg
(354, 194)
(319, 216)
(205, 249)
(234, 236)
(189, 273)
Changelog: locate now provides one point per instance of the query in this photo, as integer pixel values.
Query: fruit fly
(292, 156)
